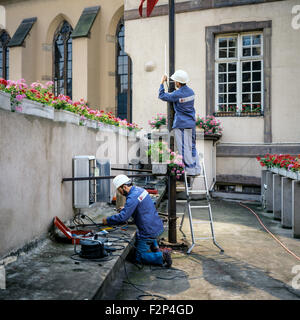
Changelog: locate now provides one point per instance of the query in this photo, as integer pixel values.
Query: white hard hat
(180, 76)
(119, 180)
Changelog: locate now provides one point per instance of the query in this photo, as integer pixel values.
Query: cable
(272, 235)
(145, 293)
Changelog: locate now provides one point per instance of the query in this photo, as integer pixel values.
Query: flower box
(282, 172)
(163, 128)
(159, 168)
(292, 175)
(5, 101)
(66, 116)
(274, 169)
(123, 131)
(37, 109)
(91, 123)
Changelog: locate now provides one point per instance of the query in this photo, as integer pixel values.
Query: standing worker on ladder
(184, 124)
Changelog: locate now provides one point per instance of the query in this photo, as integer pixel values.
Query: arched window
(4, 55)
(62, 73)
(123, 76)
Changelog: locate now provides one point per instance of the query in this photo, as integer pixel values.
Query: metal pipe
(111, 177)
(171, 179)
(134, 170)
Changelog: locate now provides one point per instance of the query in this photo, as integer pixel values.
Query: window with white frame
(239, 72)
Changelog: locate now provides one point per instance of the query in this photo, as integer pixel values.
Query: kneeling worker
(140, 206)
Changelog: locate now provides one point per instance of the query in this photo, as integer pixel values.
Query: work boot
(165, 250)
(167, 259)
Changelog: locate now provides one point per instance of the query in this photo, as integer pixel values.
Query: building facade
(242, 56)
(243, 59)
(77, 44)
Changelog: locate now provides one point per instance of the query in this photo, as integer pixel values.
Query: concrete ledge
(49, 273)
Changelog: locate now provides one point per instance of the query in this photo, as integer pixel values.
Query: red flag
(150, 5)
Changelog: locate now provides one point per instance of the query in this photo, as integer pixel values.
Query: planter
(5, 101)
(292, 175)
(159, 168)
(282, 172)
(66, 116)
(225, 114)
(123, 132)
(163, 128)
(91, 123)
(115, 128)
(274, 169)
(131, 136)
(250, 114)
(37, 109)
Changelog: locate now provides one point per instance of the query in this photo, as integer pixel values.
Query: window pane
(232, 87)
(232, 77)
(256, 76)
(222, 67)
(246, 98)
(246, 41)
(246, 107)
(256, 65)
(232, 52)
(256, 97)
(222, 98)
(222, 88)
(256, 86)
(232, 42)
(246, 76)
(232, 66)
(232, 107)
(246, 87)
(223, 42)
(222, 107)
(256, 39)
(247, 52)
(222, 78)
(232, 98)
(246, 66)
(223, 53)
(256, 51)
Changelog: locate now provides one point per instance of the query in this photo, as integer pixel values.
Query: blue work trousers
(144, 253)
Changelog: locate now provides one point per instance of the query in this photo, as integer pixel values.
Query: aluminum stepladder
(188, 207)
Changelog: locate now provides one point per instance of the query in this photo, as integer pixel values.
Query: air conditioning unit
(88, 192)
(84, 192)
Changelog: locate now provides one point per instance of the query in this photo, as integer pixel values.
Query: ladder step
(199, 176)
(181, 201)
(198, 207)
(204, 238)
(201, 222)
(179, 213)
(198, 191)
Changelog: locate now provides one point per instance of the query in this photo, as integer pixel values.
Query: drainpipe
(171, 179)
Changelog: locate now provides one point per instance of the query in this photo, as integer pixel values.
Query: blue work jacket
(140, 206)
(183, 100)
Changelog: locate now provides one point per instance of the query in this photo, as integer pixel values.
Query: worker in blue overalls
(184, 125)
(140, 206)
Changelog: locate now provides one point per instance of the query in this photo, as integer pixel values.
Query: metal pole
(111, 177)
(171, 179)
